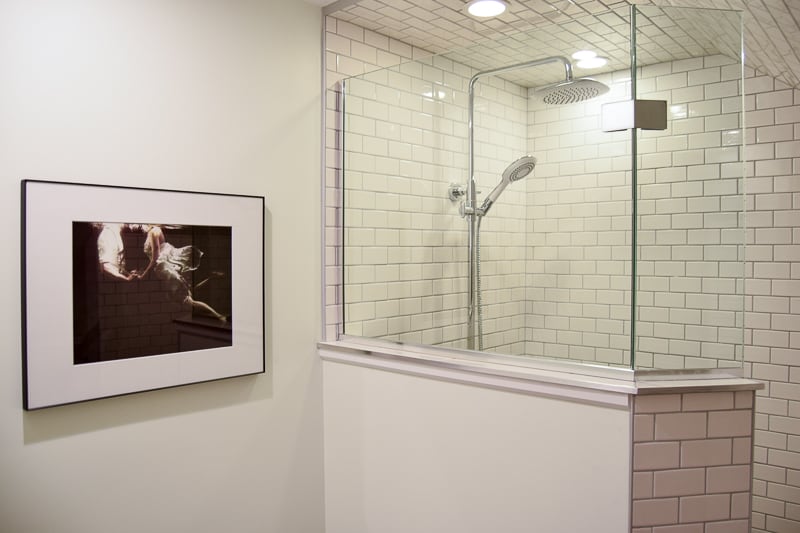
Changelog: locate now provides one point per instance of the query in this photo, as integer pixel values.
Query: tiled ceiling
(530, 29)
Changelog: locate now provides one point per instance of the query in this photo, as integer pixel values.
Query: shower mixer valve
(456, 191)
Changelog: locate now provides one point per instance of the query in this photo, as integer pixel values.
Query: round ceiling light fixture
(589, 59)
(486, 8)
(595, 62)
(580, 55)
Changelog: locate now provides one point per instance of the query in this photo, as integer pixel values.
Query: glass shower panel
(404, 243)
(690, 194)
(543, 265)
(552, 255)
(579, 213)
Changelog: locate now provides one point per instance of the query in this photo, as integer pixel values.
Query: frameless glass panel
(549, 256)
(404, 255)
(452, 239)
(579, 205)
(690, 191)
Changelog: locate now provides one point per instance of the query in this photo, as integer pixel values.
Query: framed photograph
(128, 289)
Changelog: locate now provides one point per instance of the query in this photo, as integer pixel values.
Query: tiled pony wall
(410, 283)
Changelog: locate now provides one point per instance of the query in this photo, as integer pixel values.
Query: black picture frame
(128, 289)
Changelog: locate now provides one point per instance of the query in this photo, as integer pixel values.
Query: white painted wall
(184, 95)
(406, 453)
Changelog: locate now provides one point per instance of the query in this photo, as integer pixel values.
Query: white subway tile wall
(772, 328)
(772, 348)
(692, 462)
(405, 267)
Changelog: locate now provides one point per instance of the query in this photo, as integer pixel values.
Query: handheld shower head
(514, 172)
(571, 91)
(519, 168)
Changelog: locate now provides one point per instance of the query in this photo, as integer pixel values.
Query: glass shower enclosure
(495, 199)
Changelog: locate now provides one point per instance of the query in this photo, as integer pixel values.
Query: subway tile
(642, 485)
(770, 439)
(728, 526)
(729, 423)
(722, 89)
(704, 76)
(777, 339)
(400, 48)
(766, 134)
(784, 458)
(683, 482)
(680, 426)
(740, 505)
(789, 391)
(774, 99)
(705, 107)
(704, 140)
(728, 122)
(777, 524)
(643, 427)
(759, 84)
(705, 508)
(783, 424)
(708, 401)
(661, 455)
(681, 95)
(793, 511)
(728, 479)
(773, 167)
(786, 493)
(722, 155)
(761, 118)
(710, 452)
(363, 52)
(770, 372)
(758, 523)
(655, 512)
(787, 149)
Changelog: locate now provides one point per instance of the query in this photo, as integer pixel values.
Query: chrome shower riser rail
(470, 207)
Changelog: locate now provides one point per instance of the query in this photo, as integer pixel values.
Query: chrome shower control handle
(456, 191)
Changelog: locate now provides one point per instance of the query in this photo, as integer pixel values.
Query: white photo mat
(48, 212)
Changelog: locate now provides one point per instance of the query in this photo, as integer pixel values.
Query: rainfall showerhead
(514, 172)
(571, 91)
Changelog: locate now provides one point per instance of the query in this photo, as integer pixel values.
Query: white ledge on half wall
(578, 381)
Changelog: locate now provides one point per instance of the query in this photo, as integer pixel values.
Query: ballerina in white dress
(170, 264)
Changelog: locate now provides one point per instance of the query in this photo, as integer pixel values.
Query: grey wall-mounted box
(644, 114)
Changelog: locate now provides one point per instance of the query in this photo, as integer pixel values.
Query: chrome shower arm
(526, 64)
(470, 199)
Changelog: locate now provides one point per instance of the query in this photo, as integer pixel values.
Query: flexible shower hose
(478, 300)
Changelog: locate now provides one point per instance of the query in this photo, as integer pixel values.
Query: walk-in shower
(476, 212)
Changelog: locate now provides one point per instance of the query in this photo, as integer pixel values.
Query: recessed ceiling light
(486, 8)
(592, 62)
(584, 54)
